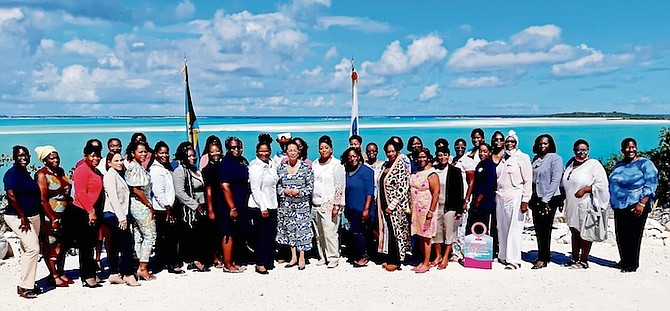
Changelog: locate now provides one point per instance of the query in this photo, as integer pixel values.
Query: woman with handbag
(547, 172)
(633, 182)
(585, 186)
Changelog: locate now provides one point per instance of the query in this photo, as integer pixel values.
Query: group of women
(213, 214)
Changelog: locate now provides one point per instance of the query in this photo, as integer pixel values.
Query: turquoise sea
(69, 134)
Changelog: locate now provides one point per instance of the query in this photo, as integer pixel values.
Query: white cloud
(137, 83)
(488, 81)
(594, 62)
(314, 72)
(358, 23)
(331, 53)
(85, 47)
(642, 100)
(390, 92)
(517, 107)
(184, 9)
(81, 21)
(482, 55)
(47, 44)
(10, 14)
(429, 92)
(531, 46)
(320, 101)
(465, 28)
(138, 44)
(74, 84)
(537, 37)
(421, 51)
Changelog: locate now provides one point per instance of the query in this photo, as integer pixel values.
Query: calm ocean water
(69, 135)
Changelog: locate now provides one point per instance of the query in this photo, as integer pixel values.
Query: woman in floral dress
(294, 188)
(424, 196)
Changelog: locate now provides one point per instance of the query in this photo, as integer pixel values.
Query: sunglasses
(235, 148)
(582, 151)
(498, 139)
(510, 141)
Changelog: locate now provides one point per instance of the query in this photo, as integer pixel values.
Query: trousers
(510, 225)
(31, 248)
(327, 238)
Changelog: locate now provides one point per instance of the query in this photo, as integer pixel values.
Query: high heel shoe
(259, 271)
(145, 276)
(131, 281)
(66, 280)
(53, 282)
(538, 266)
(26, 293)
(291, 265)
(301, 267)
(89, 285)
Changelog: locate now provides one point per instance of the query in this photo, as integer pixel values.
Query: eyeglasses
(581, 151)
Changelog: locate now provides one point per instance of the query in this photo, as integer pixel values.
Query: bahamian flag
(354, 101)
(192, 128)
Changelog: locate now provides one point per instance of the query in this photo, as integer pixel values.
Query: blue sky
(273, 58)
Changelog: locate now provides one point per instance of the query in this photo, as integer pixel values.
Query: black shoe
(264, 272)
(26, 293)
(96, 285)
(627, 270)
(176, 271)
(191, 266)
(569, 263)
(536, 266)
(291, 265)
(301, 268)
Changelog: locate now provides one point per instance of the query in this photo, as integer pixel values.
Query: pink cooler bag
(478, 249)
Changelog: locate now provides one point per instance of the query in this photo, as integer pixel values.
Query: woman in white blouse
(162, 186)
(327, 202)
(263, 203)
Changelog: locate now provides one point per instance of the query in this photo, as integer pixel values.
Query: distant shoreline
(580, 115)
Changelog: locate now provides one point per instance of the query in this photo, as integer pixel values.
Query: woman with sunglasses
(467, 166)
(584, 182)
(234, 180)
(515, 179)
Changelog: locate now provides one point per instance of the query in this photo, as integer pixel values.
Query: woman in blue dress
(294, 188)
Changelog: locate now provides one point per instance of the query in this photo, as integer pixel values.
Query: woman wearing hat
(55, 188)
(515, 180)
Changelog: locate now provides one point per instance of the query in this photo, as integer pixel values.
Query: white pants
(510, 225)
(327, 238)
(31, 248)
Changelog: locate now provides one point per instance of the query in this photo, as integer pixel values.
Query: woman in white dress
(584, 182)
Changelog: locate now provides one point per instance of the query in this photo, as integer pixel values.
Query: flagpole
(354, 100)
(192, 128)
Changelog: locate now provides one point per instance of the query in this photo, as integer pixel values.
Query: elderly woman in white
(327, 202)
(263, 202)
(515, 187)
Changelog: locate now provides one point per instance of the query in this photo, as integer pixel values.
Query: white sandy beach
(554, 288)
